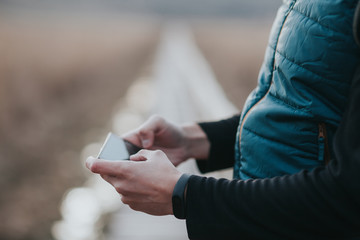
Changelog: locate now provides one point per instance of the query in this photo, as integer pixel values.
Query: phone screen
(116, 148)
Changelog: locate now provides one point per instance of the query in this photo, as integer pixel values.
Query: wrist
(196, 141)
(179, 197)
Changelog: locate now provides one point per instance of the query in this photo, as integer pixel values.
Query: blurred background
(67, 67)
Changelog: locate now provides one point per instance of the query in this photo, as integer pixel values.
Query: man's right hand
(179, 143)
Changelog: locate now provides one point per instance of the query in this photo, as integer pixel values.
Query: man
(322, 203)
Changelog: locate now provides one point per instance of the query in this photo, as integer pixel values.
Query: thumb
(147, 131)
(140, 156)
(89, 161)
(146, 138)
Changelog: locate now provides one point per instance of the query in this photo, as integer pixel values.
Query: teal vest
(288, 121)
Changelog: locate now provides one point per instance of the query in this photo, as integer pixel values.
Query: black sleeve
(320, 204)
(221, 135)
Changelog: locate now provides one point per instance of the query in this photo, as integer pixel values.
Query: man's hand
(146, 182)
(179, 143)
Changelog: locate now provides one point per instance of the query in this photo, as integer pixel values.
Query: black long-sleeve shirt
(221, 135)
(319, 204)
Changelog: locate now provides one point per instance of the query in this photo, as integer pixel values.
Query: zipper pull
(324, 154)
(321, 131)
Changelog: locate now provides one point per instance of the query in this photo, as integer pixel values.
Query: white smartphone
(116, 148)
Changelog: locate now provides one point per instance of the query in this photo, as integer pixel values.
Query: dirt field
(58, 82)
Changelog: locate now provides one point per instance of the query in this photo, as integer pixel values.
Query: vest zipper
(323, 154)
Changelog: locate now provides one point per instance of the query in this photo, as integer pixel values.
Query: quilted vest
(288, 121)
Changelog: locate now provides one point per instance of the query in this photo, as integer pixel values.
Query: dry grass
(58, 81)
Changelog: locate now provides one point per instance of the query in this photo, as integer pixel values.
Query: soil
(58, 83)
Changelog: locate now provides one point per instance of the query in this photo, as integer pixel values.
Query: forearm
(196, 142)
(211, 143)
(301, 206)
(222, 136)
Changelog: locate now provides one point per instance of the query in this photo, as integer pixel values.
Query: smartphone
(117, 148)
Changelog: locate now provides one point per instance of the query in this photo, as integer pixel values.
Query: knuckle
(125, 200)
(95, 167)
(142, 151)
(134, 206)
(143, 132)
(157, 119)
(122, 190)
(118, 189)
(158, 153)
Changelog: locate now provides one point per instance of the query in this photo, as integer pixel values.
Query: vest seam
(276, 140)
(291, 7)
(282, 101)
(304, 68)
(316, 21)
(303, 110)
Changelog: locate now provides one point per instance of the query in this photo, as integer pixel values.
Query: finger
(119, 185)
(89, 161)
(138, 157)
(133, 137)
(108, 178)
(104, 167)
(147, 139)
(151, 208)
(142, 155)
(145, 154)
(148, 130)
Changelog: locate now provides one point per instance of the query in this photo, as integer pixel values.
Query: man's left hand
(145, 183)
